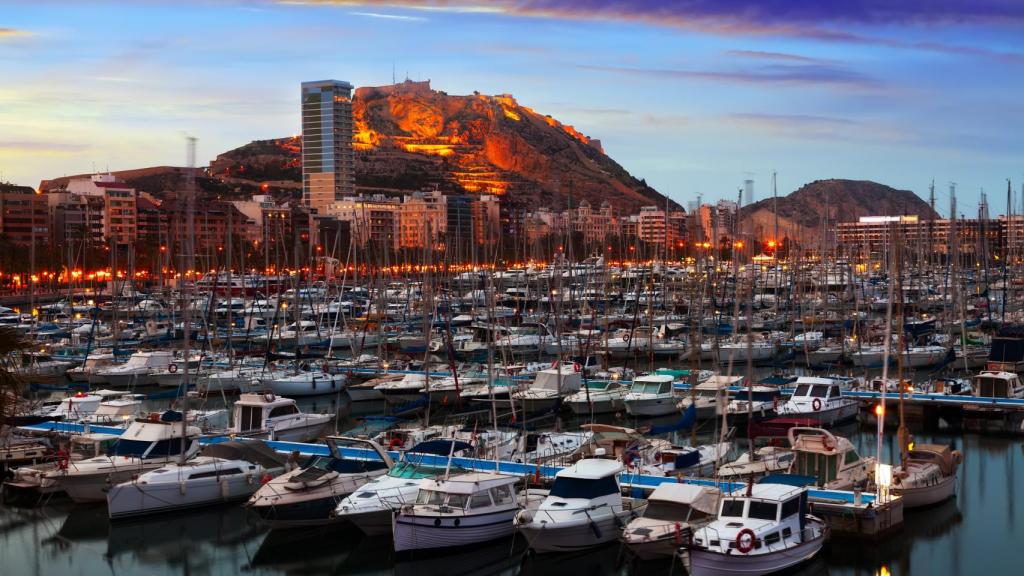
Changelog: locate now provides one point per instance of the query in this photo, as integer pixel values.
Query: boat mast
(190, 194)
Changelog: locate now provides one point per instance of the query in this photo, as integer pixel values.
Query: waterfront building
(23, 215)
(328, 160)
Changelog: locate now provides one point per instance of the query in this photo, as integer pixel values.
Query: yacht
(759, 402)
(549, 386)
(372, 507)
(711, 396)
(307, 496)
(308, 383)
(651, 395)
(674, 511)
(459, 510)
(268, 416)
(598, 397)
(117, 411)
(30, 485)
(584, 508)
(820, 399)
(137, 371)
(223, 472)
(927, 475)
(75, 408)
(147, 444)
(763, 531)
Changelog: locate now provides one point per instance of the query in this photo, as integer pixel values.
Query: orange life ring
(395, 443)
(744, 546)
(816, 404)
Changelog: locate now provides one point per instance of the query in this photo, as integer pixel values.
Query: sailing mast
(189, 255)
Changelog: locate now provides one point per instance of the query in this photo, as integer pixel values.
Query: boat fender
(63, 459)
(595, 529)
(745, 540)
(958, 457)
(678, 534)
(524, 517)
(266, 478)
(181, 487)
(269, 397)
(224, 493)
(816, 404)
(576, 367)
(172, 368)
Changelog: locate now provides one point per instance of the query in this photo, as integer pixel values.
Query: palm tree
(12, 344)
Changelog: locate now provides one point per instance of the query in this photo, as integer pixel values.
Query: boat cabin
(993, 384)
(831, 460)
(652, 385)
(157, 436)
(258, 412)
(470, 492)
(775, 513)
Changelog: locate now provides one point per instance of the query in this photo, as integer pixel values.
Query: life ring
(395, 443)
(172, 368)
(269, 397)
(576, 367)
(816, 404)
(554, 364)
(743, 545)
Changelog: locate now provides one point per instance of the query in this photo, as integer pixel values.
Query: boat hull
(132, 499)
(708, 563)
(431, 532)
(559, 537)
(922, 496)
(652, 406)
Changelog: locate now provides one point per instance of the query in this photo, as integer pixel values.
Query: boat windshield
(137, 448)
(819, 391)
(430, 497)
(801, 390)
(666, 511)
(762, 510)
(412, 471)
(732, 508)
(585, 488)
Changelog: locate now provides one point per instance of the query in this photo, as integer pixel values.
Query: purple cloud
(778, 74)
(821, 20)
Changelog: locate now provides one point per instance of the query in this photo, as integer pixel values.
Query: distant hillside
(409, 136)
(802, 212)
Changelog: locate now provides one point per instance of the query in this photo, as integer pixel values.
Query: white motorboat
(93, 364)
(459, 510)
(77, 407)
(116, 412)
(738, 351)
(311, 383)
(758, 401)
(239, 378)
(147, 444)
(927, 476)
(711, 396)
(223, 472)
(651, 395)
(402, 390)
(923, 356)
(820, 399)
(869, 356)
(367, 391)
(598, 397)
(673, 512)
(30, 484)
(764, 532)
(372, 507)
(584, 508)
(137, 371)
(766, 460)
(307, 496)
(268, 416)
(549, 386)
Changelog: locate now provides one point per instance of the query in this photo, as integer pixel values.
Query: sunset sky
(695, 96)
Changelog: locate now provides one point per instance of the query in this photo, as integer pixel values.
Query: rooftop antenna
(393, 81)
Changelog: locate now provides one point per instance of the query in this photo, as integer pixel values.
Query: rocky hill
(409, 136)
(802, 212)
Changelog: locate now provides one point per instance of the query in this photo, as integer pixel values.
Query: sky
(694, 96)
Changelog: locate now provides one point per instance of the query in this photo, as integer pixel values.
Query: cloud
(36, 148)
(762, 55)
(12, 34)
(389, 16)
(814, 127)
(818, 20)
(776, 74)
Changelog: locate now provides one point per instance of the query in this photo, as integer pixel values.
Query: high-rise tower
(328, 162)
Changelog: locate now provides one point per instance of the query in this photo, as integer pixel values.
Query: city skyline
(693, 98)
